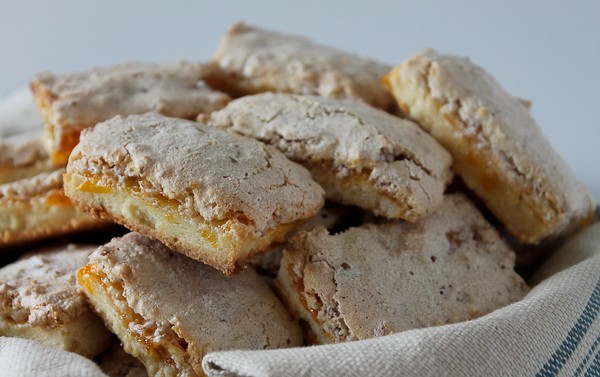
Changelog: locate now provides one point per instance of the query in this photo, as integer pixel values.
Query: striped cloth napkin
(553, 331)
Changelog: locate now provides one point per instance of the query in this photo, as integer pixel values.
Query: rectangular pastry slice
(23, 156)
(499, 150)
(360, 155)
(252, 60)
(169, 311)
(216, 197)
(71, 103)
(381, 279)
(37, 207)
(39, 300)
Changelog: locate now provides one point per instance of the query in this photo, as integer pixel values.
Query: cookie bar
(498, 148)
(39, 300)
(37, 207)
(216, 197)
(71, 103)
(360, 155)
(23, 156)
(252, 60)
(381, 279)
(169, 311)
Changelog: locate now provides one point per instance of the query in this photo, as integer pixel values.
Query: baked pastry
(37, 207)
(39, 300)
(23, 156)
(169, 311)
(360, 155)
(216, 197)
(71, 103)
(253, 60)
(498, 148)
(380, 279)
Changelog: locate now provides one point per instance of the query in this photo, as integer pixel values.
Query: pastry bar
(71, 103)
(39, 300)
(169, 311)
(360, 155)
(252, 60)
(37, 207)
(216, 197)
(498, 148)
(23, 156)
(381, 279)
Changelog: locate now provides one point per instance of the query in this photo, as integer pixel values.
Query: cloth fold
(27, 358)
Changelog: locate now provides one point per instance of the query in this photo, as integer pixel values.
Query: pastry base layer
(47, 215)
(85, 335)
(225, 245)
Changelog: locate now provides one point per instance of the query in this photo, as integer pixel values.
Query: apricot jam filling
(90, 277)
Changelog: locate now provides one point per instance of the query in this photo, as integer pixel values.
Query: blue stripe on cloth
(586, 359)
(574, 336)
(594, 369)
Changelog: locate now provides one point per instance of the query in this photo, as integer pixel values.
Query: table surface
(546, 51)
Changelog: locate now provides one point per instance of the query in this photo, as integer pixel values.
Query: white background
(547, 51)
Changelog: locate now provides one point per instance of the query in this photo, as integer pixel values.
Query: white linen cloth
(553, 331)
(26, 358)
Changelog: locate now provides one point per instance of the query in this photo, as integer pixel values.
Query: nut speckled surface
(209, 310)
(85, 98)
(40, 289)
(375, 280)
(350, 137)
(208, 171)
(250, 60)
(498, 148)
(73, 102)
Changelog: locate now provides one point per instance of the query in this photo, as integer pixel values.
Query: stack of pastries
(285, 193)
